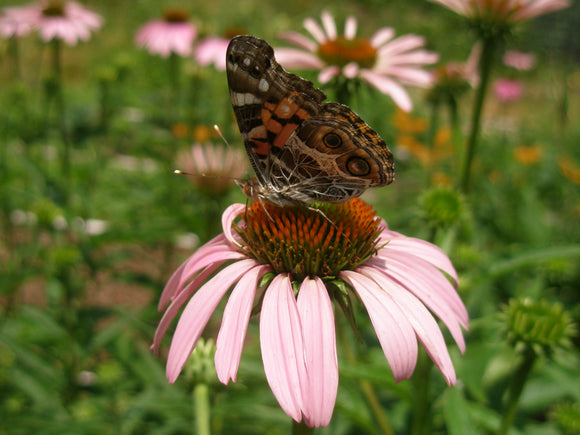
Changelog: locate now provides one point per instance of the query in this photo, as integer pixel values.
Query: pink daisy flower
(212, 50)
(213, 166)
(65, 20)
(172, 34)
(508, 90)
(288, 262)
(383, 61)
(14, 22)
(518, 60)
(503, 11)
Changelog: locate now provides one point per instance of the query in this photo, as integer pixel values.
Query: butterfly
(301, 149)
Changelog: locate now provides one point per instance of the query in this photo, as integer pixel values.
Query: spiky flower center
(310, 242)
(176, 16)
(342, 51)
(54, 8)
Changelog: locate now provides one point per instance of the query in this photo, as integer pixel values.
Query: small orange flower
(180, 130)
(569, 169)
(528, 155)
(441, 179)
(406, 123)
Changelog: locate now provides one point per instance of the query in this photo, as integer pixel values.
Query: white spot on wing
(247, 61)
(263, 85)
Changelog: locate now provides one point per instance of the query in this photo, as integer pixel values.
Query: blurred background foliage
(78, 306)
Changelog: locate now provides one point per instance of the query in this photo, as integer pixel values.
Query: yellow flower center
(342, 51)
(176, 16)
(311, 242)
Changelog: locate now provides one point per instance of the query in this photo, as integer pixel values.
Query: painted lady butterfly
(302, 150)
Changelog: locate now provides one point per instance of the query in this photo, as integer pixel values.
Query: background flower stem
(516, 387)
(366, 387)
(201, 409)
(489, 47)
(422, 417)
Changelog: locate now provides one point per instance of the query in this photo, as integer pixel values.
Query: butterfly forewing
(301, 150)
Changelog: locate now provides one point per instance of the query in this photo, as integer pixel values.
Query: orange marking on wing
(302, 114)
(260, 132)
(261, 148)
(284, 135)
(274, 126)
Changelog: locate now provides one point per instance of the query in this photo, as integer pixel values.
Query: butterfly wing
(269, 103)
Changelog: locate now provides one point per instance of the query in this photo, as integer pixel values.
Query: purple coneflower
(506, 12)
(383, 61)
(518, 60)
(212, 50)
(508, 90)
(213, 166)
(54, 19)
(290, 264)
(172, 34)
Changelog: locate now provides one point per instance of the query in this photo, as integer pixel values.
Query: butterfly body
(301, 149)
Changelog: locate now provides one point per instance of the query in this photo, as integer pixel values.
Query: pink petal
(328, 73)
(423, 323)
(425, 250)
(299, 40)
(235, 320)
(292, 58)
(197, 313)
(329, 25)
(350, 27)
(350, 70)
(177, 302)
(431, 287)
(281, 341)
(315, 30)
(228, 218)
(381, 36)
(388, 87)
(392, 327)
(317, 319)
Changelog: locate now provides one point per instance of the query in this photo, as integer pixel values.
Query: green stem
(366, 387)
(485, 66)
(58, 96)
(301, 428)
(422, 417)
(174, 80)
(516, 387)
(201, 409)
(433, 124)
(15, 54)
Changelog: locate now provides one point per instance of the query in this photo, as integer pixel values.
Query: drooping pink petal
(230, 340)
(422, 321)
(317, 319)
(350, 70)
(197, 313)
(328, 73)
(422, 249)
(178, 301)
(381, 36)
(393, 329)
(388, 87)
(430, 286)
(281, 342)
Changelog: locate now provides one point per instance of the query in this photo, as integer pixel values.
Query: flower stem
(201, 409)
(301, 428)
(516, 387)
(366, 387)
(57, 95)
(175, 81)
(485, 65)
(422, 417)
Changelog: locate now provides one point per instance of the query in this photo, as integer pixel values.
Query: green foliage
(78, 306)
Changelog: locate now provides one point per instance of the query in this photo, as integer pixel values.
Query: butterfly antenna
(219, 131)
